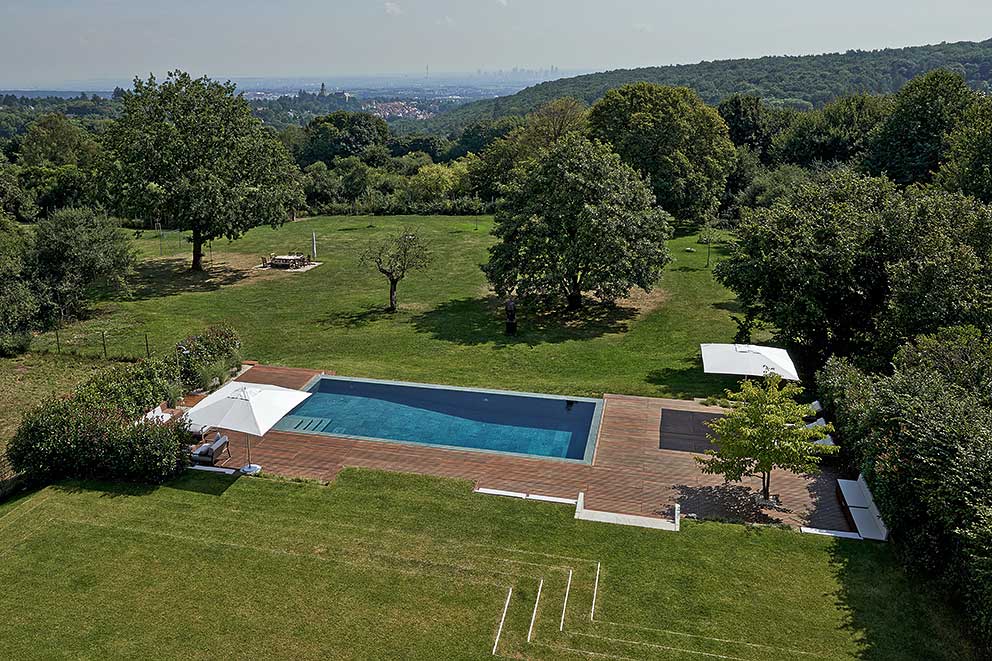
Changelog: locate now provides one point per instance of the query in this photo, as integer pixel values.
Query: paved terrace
(644, 464)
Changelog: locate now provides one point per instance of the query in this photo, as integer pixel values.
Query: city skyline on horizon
(113, 40)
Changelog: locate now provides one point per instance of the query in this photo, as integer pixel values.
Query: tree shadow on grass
(356, 319)
(732, 306)
(166, 277)
(473, 321)
(892, 614)
(689, 380)
(725, 502)
(211, 484)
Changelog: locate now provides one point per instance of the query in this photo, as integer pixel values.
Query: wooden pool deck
(640, 465)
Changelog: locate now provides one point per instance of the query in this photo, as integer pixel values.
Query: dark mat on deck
(685, 431)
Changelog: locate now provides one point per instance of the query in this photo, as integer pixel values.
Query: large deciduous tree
(188, 153)
(76, 253)
(852, 265)
(840, 132)
(968, 167)
(764, 430)
(909, 145)
(342, 134)
(672, 137)
(553, 121)
(577, 219)
(748, 122)
(54, 140)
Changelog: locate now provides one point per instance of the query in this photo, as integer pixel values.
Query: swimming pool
(547, 426)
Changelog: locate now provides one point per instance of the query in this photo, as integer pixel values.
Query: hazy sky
(51, 42)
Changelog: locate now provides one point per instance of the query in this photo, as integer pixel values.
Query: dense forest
(802, 82)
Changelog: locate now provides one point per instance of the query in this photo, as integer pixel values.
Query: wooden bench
(208, 453)
(861, 506)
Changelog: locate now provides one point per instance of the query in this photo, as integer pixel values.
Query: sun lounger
(861, 506)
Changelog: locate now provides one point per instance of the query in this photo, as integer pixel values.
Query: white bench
(861, 505)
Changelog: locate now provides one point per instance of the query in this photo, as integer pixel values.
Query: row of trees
(698, 160)
(865, 242)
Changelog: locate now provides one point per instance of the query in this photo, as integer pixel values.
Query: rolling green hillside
(800, 81)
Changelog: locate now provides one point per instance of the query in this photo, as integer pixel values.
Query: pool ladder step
(299, 423)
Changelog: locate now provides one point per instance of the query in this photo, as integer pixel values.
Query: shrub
(133, 388)
(14, 344)
(218, 345)
(92, 433)
(63, 439)
(922, 436)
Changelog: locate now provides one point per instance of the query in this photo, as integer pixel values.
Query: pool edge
(592, 439)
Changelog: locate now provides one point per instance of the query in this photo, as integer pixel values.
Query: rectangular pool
(548, 426)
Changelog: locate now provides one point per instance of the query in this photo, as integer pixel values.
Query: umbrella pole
(250, 468)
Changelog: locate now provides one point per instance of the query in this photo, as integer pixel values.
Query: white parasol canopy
(747, 360)
(252, 408)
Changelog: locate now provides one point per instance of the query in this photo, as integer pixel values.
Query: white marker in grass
(595, 590)
(568, 586)
(502, 619)
(533, 617)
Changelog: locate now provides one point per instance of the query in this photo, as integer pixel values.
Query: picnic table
(288, 261)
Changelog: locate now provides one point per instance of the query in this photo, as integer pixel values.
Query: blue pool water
(536, 425)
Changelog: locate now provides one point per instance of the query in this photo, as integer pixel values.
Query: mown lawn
(27, 379)
(382, 565)
(448, 330)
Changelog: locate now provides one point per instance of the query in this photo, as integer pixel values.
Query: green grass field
(448, 330)
(395, 566)
(382, 565)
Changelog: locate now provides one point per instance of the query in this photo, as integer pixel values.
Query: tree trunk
(574, 300)
(197, 250)
(392, 295)
(766, 486)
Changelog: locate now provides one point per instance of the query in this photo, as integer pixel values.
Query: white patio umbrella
(252, 408)
(747, 360)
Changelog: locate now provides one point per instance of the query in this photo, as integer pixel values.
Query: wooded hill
(803, 82)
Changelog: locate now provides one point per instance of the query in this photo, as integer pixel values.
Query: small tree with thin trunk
(395, 255)
(764, 430)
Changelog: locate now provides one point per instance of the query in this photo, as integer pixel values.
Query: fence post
(148, 352)
(103, 334)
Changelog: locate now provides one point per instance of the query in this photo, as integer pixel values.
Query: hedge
(93, 433)
(198, 355)
(62, 438)
(922, 436)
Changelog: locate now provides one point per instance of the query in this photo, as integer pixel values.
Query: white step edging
(830, 533)
(583, 514)
(525, 496)
(214, 469)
